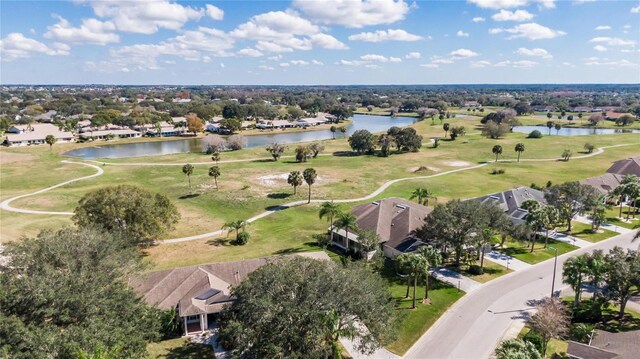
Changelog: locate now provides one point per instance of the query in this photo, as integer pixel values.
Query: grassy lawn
(520, 251)
(613, 217)
(492, 271)
(179, 348)
(415, 322)
(554, 346)
(583, 231)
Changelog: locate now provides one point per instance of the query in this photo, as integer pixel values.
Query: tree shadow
(290, 250)
(191, 351)
(278, 195)
(264, 160)
(188, 196)
(218, 242)
(275, 208)
(345, 154)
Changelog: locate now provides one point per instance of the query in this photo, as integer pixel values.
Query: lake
(158, 148)
(572, 131)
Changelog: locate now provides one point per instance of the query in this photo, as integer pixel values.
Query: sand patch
(10, 157)
(456, 163)
(423, 169)
(279, 180)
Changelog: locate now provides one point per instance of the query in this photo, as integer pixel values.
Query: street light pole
(555, 263)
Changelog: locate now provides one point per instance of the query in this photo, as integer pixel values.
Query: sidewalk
(456, 279)
(506, 260)
(561, 237)
(608, 226)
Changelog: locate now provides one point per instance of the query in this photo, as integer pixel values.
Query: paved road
(476, 323)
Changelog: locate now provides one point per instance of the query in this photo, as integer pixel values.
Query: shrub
(322, 239)
(581, 332)
(535, 339)
(235, 142)
(535, 134)
(496, 171)
(213, 143)
(589, 147)
(243, 238)
(475, 270)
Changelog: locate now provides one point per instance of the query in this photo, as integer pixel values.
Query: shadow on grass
(191, 351)
(345, 154)
(188, 196)
(278, 195)
(263, 160)
(275, 208)
(218, 242)
(290, 250)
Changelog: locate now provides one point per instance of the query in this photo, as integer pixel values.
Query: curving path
(5, 205)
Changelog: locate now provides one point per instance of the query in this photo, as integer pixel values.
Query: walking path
(506, 260)
(608, 226)
(6, 204)
(456, 279)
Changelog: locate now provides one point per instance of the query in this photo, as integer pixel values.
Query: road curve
(6, 204)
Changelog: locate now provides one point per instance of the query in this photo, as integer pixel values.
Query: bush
(475, 270)
(235, 142)
(243, 238)
(323, 240)
(581, 332)
(213, 143)
(535, 339)
(496, 171)
(535, 134)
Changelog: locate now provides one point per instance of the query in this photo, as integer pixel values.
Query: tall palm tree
(346, 221)
(497, 150)
(309, 176)
(550, 125)
(574, 271)
(214, 172)
(413, 264)
(433, 258)
(295, 179)
(558, 127)
(422, 194)
(188, 170)
(329, 210)
(519, 149)
(596, 267)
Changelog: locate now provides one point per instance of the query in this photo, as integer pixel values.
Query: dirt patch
(279, 180)
(456, 163)
(10, 157)
(423, 169)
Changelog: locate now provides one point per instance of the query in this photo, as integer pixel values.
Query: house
(24, 135)
(472, 104)
(107, 134)
(166, 130)
(629, 166)
(511, 201)
(605, 183)
(610, 115)
(582, 109)
(199, 293)
(606, 345)
(275, 124)
(395, 220)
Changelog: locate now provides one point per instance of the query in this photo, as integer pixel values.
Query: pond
(573, 131)
(159, 148)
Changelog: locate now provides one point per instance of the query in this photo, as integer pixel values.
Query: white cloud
(463, 53)
(249, 52)
(279, 31)
(350, 62)
(480, 64)
(299, 62)
(145, 17)
(568, 64)
(613, 41)
(316, 62)
(214, 12)
(531, 31)
(385, 35)
(508, 4)
(635, 10)
(413, 55)
(537, 52)
(379, 58)
(478, 19)
(17, 46)
(265, 67)
(600, 48)
(284, 64)
(517, 64)
(91, 31)
(518, 15)
(594, 61)
(430, 66)
(274, 58)
(441, 61)
(603, 27)
(461, 33)
(353, 13)
(580, 2)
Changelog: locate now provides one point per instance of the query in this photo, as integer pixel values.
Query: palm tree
(573, 273)
(295, 179)
(446, 127)
(215, 157)
(549, 114)
(310, 176)
(343, 130)
(550, 125)
(433, 258)
(188, 170)
(235, 225)
(50, 140)
(497, 150)
(333, 130)
(414, 264)
(346, 221)
(596, 267)
(519, 149)
(330, 210)
(422, 194)
(215, 173)
(558, 127)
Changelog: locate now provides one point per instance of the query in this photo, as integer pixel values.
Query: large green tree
(517, 349)
(621, 276)
(140, 215)
(362, 141)
(574, 272)
(65, 293)
(330, 210)
(569, 198)
(299, 307)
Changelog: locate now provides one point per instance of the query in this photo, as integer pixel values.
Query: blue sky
(319, 42)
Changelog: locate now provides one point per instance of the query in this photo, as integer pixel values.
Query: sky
(309, 42)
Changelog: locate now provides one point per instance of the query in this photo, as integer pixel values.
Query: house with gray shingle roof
(395, 221)
(511, 201)
(628, 166)
(606, 345)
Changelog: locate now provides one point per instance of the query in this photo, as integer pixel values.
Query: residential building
(629, 166)
(511, 201)
(199, 293)
(25, 135)
(606, 345)
(107, 134)
(605, 183)
(395, 221)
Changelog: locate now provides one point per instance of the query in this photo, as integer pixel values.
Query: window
(193, 318)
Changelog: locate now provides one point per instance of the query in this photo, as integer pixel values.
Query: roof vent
(376, 203)
(401, 206)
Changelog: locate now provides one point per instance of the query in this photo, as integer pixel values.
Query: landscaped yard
(415, 322)
(520, 251)
(614, 219)
(492, 270)
(583, 231)
(179, 348)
